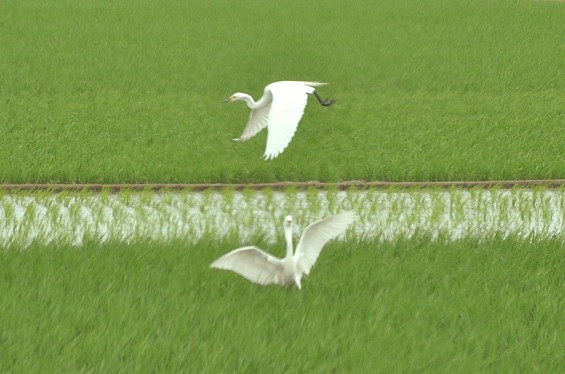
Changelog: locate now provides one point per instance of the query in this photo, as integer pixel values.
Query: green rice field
(130, 91)
(427, 280)
(394, 307)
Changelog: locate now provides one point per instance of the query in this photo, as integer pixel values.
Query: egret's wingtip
(350, 214)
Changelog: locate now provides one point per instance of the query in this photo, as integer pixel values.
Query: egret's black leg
(322, 101)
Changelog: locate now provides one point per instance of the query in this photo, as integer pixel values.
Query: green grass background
(398, 307)
(130, 91)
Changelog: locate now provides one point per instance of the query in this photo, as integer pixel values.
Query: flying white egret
(262, 268)
(279, 109)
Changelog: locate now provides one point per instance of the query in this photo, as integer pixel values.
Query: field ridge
(360, 184)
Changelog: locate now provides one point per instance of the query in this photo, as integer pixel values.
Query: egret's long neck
(251, 104)
(288, 238)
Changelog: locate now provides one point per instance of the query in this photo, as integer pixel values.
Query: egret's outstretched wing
(258, 119)
(316, 235)
(287, 108)
(251, 263)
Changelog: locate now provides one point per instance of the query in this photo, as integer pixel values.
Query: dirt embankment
(359, 184)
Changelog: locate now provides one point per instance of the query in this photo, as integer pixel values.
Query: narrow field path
(360, 184)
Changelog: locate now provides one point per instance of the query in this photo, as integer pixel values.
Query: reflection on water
(242, 216)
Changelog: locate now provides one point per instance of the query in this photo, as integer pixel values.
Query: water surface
(243, 216)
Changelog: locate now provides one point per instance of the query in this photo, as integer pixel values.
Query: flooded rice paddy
(448, 215)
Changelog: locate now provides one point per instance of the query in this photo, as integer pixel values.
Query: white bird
(262, 268)
(279, 109)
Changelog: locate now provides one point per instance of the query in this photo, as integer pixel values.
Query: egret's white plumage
(262, 268)
(279, 109)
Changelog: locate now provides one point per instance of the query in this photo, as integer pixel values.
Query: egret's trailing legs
(322, 101)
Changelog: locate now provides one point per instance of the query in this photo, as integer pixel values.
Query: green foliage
(129, 91)
(404, 306)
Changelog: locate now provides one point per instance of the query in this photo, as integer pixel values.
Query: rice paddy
(432, 280)
(120, 92)
(385, 216)
(468, 306)
(428, 280)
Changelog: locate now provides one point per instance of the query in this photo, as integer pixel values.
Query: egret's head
(288, 221)
(235, 97)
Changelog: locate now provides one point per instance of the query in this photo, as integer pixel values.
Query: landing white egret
(279, 109)
(262, 268)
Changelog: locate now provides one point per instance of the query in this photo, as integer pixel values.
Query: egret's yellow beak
(226, 100)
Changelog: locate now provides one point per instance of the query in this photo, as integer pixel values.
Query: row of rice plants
(385, 215)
